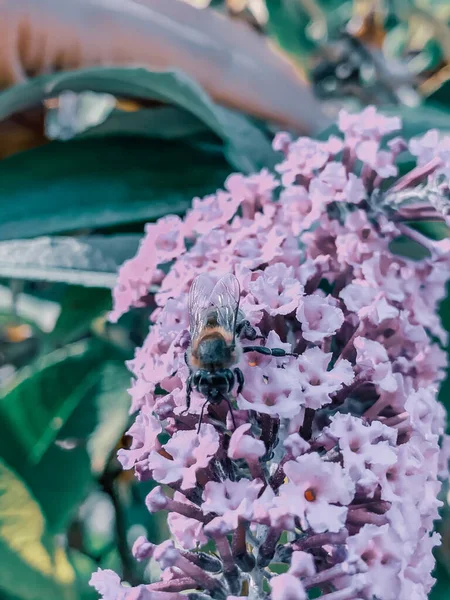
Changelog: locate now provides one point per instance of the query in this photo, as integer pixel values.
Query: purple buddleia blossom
(330, 466)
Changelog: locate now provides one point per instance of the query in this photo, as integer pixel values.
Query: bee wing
(225, 298)
(199, 303)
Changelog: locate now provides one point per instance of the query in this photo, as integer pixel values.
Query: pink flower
(336, 448)
(142, 548)
(312, 383)
(211, 212)
(362, 446)
(231, 500)
(268, 391)
(313, 492)
(188, 452)
(320, 318)
(303, 158)
(368, 302)
(287, 587)
(302, 564)
(144, 432)
(276, 290)
(245, 446)
(368, 124)
(298, 211)
(381, 161)
(372, 355)
(334, 185)
(379, 548)
(186, 531)
(254, 190)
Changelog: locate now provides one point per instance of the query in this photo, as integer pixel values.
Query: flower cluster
(330, 478)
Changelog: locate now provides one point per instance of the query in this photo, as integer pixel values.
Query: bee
(216, 326)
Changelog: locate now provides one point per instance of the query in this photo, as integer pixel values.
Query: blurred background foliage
(88, 155)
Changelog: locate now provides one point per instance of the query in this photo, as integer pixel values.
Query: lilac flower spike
(332, 469)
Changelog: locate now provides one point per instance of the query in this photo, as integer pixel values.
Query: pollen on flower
(333, 442)
(310, 495)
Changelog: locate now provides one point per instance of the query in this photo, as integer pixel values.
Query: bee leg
(201, 416)
(188, 395)
(186, 358)
(231, 411)
(229, 376)
(240, 379)
(268, 351)
(245, 330)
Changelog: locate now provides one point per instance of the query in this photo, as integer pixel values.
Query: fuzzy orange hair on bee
(217, 326)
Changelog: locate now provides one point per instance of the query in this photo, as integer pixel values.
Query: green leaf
(32, 565)
(84, 567)
(166, 123)
(101, 182)
(91, 261)
(60, 425)
(245, 146)
(108, 403)
(44, 395)
(79, 307)
(404, 246)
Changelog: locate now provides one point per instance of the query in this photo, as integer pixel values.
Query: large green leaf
(79, 307)
(246, 147)
(60, 423)
(91, 261)
(67, 472)
(165, 123)
(44, 395)
(101, 182)
(32, 565)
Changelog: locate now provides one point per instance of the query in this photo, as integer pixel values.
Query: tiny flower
(245, 446)
(144, 433)
(381, 161)
(363, 446)
(184, 454)
(296, 445)
(276, 290)
(268, 391)
(186, 531)
(232, 500)
(320, 318)
(317, 493)
(107, 583)
(311, 381)
(379, 548)
(303, 158)
(254, 189)
(302, 564)
(142, 548)
(211, 212)
(287, 587)
(372, 355)
(368, 124)
(298, 211)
